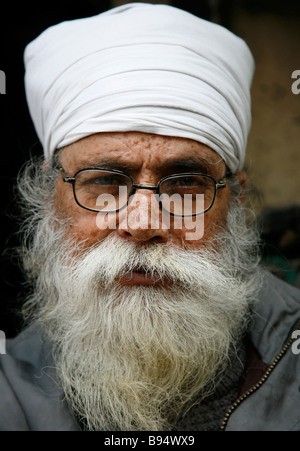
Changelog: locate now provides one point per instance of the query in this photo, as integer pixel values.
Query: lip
(140, 278)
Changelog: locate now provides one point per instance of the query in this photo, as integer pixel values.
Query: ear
(241, 177)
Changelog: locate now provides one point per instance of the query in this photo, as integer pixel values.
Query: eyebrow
(108, 164)
(187, 165)
(191, 164)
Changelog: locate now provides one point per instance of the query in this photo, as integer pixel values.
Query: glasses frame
(218, 185)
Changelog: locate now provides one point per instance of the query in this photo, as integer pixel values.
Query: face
(146, 158)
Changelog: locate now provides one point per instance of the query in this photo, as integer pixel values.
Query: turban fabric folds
(141, 67)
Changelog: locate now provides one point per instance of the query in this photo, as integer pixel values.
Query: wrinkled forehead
(132, 151)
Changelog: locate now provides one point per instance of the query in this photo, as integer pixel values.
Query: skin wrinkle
(148, 154)
(193, 163)
(153, 157)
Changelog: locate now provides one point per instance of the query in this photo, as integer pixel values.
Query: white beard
(137, 357)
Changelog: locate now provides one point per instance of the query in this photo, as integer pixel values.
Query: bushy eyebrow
(186, 165)
(110, 163)
(193, 163)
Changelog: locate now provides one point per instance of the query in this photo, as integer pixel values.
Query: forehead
(135, 150)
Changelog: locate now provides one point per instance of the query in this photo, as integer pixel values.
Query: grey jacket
(30, 398)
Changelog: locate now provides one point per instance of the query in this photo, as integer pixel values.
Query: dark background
(23, 21)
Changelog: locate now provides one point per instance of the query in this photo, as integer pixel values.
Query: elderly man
(149, 310)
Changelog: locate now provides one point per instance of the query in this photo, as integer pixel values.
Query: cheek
(189, 230)
(80, 224)
(196, 232)
(199, 230)
(87, 227)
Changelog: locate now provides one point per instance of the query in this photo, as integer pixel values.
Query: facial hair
(137, 357)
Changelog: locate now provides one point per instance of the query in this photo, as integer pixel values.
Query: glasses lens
(187, 195)
(103, 191)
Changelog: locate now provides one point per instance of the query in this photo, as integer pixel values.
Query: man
(149, 310)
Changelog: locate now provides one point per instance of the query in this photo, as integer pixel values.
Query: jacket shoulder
(31, 398)
(273, 404)
(276, 313)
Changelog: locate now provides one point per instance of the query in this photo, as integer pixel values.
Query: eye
(105, 180)
(90, 178)
(190, 181)
(181, 181)
(193, 184)
(187, 181)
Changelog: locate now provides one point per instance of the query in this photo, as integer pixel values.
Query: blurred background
(271, 28)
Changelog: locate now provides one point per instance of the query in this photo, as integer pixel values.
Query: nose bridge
(145, 186)
(142, 217)
(143, 205)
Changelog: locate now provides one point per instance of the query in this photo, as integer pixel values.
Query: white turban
(141, 67)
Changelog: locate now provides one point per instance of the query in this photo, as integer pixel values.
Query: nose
(142, 220)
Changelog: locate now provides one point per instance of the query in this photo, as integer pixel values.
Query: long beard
(137, 357)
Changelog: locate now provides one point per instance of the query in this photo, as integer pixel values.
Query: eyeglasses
(108, 191)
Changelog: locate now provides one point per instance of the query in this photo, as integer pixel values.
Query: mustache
(113, 258)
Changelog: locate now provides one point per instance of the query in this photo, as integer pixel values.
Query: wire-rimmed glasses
(107, 191)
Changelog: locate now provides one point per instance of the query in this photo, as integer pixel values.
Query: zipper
(261, 381)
